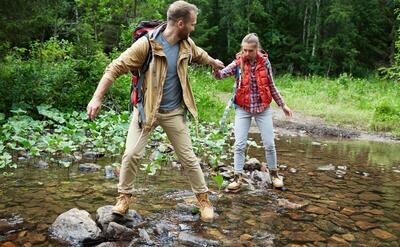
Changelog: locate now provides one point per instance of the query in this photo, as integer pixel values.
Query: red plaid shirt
(255, 100)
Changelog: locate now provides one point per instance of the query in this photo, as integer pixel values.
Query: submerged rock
(89, 167)
(75, 227)
(329, 167)
(42, 164)
(109, 172)
(92, 155)
(193, 240)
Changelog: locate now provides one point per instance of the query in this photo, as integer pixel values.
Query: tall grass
(369, 104)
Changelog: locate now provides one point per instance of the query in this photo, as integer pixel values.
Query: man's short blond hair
(181, 10)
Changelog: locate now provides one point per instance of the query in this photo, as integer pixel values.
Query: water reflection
(360, 208)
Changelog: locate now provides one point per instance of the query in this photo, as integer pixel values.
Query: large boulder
(75, 227)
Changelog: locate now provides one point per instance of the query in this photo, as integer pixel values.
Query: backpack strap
(145, 67)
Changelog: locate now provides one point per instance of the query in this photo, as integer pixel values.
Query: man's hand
(93, 107)
(217, 64)
(287, 111)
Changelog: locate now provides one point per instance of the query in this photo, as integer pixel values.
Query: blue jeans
(242, 125)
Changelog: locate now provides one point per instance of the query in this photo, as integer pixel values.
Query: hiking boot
(122, 206)
(277, 180)
(206, 208)
(237, 182)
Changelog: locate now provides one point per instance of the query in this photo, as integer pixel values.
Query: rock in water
(75, 227)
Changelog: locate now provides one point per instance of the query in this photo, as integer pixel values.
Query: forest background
(337, 59)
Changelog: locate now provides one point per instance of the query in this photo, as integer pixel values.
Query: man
(167, 96)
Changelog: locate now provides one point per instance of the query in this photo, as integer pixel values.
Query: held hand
(93, 108)
(287, 111)
(217, 64)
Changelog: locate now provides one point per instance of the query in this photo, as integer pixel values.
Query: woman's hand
(287, 111)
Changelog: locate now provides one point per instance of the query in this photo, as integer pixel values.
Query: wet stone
(8, 244)
(364, 225)
(115, 226)
(193, 240)
(307, 236)
(215, 234)
(164, 227)
(329, 167)
(246, 237)
(288, 204)
(5, 227)
(338, 241)
(368, 196)
(252, 164)
(374, 211)
(363, 217)
(74, 226)
(89, 167)
(301, 217)
(328, 226)
(317, 210)
(42, 164)
(348, 237)
(92, 155)
(144, 236)
(314, 196)
(384, 235)
(36, 238)
(184, 227)
(251, 222)
(348, 211)
(186, 208)
(109, 172)
(394, 226)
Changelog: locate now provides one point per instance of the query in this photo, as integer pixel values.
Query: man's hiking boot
(122, 206)
(237, 182)
(277, 180)
(206, 208)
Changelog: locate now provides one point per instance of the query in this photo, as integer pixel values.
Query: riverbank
(343, 107)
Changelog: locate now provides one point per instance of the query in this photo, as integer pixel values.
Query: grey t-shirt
(172, 90)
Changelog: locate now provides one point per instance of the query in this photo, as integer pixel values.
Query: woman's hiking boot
(237, 182)
(277, 180)
(122, 205)
(206, 208)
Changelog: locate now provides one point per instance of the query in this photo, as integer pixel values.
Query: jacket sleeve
(274, 91)
(225, 72)
(130, 59)
(198, 54)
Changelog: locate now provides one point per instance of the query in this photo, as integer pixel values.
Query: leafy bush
(49, 74)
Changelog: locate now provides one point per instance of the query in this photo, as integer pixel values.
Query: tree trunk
(248, 16)
(135, 8)
(77, 23)
(304, 25)
(316, 29)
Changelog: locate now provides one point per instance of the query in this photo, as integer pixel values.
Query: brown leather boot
(206, 208)
(237, 182)
(122, 206)
(277, 180)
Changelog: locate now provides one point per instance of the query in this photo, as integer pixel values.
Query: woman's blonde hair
(251, 38)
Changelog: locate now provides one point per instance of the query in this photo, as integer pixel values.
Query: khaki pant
(178, 133)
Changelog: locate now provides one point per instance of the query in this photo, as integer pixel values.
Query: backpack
(136, 94)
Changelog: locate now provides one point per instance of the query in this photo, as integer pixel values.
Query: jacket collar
(184, 46)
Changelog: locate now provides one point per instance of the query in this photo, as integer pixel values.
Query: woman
(255, 89)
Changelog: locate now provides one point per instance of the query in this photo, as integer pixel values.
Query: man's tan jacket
(135, 56)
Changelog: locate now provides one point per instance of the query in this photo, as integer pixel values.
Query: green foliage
(387, 116)
(369, 104)
(219, 180)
